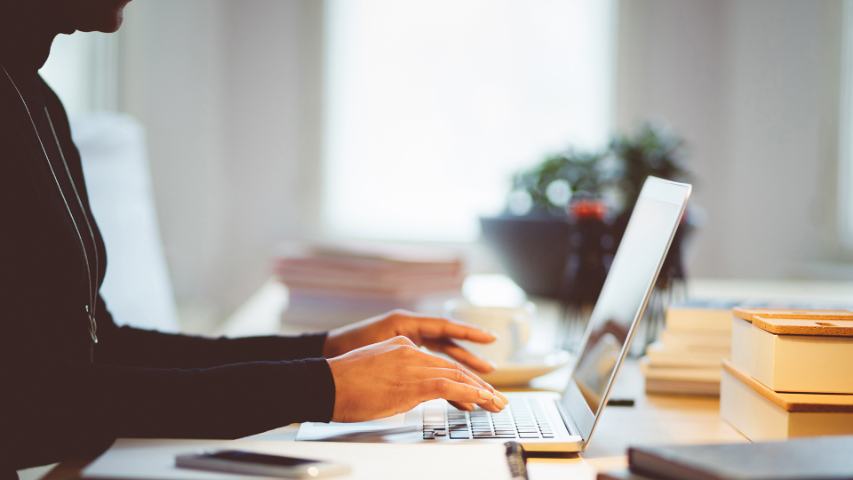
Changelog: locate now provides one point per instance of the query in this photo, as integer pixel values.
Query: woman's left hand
(437, 334)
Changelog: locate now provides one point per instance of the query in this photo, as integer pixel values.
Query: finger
(460, 354)
(432, 327)
(456, 374)
(436, 361)
(441, 367)
(468, 407)
(449, 390)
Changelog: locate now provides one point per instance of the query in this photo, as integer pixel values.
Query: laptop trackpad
(404, 424)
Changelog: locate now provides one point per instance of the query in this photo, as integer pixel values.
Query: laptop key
(459, 435)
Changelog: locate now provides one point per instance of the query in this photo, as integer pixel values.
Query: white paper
(155, 459)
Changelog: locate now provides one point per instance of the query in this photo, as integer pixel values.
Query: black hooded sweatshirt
(61, 394)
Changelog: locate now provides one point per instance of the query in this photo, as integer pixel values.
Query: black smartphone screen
(258, 458)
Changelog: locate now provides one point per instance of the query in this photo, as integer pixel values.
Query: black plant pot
(535, 252)
(532, 249)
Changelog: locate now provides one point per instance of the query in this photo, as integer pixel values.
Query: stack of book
(332, 285)
(686, 359)
(790, 373)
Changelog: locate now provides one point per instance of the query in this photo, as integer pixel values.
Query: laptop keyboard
(520, 419)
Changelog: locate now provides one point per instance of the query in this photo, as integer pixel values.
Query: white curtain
(845, 186)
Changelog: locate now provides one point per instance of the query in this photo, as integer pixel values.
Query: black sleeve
(56, 413)
(145, 348)
(56, 403)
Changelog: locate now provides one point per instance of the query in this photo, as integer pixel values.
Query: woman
(72, 380)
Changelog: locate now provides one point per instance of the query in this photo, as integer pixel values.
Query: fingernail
(486, 395)
(500, 402)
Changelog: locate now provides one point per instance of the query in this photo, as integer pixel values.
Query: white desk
(653, 419)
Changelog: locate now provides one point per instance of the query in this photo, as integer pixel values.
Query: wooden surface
(795, 402)
(776, 313)
(806, 326)
(833, 323)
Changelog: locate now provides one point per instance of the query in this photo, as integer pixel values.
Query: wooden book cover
(799, 322)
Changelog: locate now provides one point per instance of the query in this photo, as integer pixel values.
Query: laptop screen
(635, 266)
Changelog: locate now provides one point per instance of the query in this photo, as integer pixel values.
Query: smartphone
(251, 463)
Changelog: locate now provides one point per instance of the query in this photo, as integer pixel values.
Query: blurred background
(254, 123)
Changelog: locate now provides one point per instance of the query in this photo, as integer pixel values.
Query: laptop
(545, 421)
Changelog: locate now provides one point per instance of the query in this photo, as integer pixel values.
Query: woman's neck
(26, 35)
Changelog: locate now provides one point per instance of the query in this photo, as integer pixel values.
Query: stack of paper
(686, 359)
(334, 285)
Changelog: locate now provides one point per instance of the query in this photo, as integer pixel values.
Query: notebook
(137, 459)
(812, 458)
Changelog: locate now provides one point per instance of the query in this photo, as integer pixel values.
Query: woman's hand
(394, 376)
(437, 334)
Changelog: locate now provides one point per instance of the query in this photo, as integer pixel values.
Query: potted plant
(565, 216)
(532, 237)
(652, 151)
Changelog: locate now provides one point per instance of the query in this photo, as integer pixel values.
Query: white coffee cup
(511, 326)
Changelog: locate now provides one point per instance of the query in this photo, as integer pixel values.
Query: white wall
(225, 91)
(230, 94)
(274, 60)
(753, 86)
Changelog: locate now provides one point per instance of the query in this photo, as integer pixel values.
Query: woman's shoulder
(52, 101)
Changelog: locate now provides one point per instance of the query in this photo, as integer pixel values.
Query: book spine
(663, 468)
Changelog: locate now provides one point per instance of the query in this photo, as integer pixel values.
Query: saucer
(526, 367)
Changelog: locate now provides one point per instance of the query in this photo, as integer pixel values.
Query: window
(845, 186)
(430, 106)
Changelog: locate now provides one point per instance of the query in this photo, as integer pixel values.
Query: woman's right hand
(394, 376)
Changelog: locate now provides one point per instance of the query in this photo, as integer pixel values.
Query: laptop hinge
(567, 420)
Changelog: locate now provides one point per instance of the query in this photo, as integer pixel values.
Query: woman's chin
(102, 16)
(107, 25)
